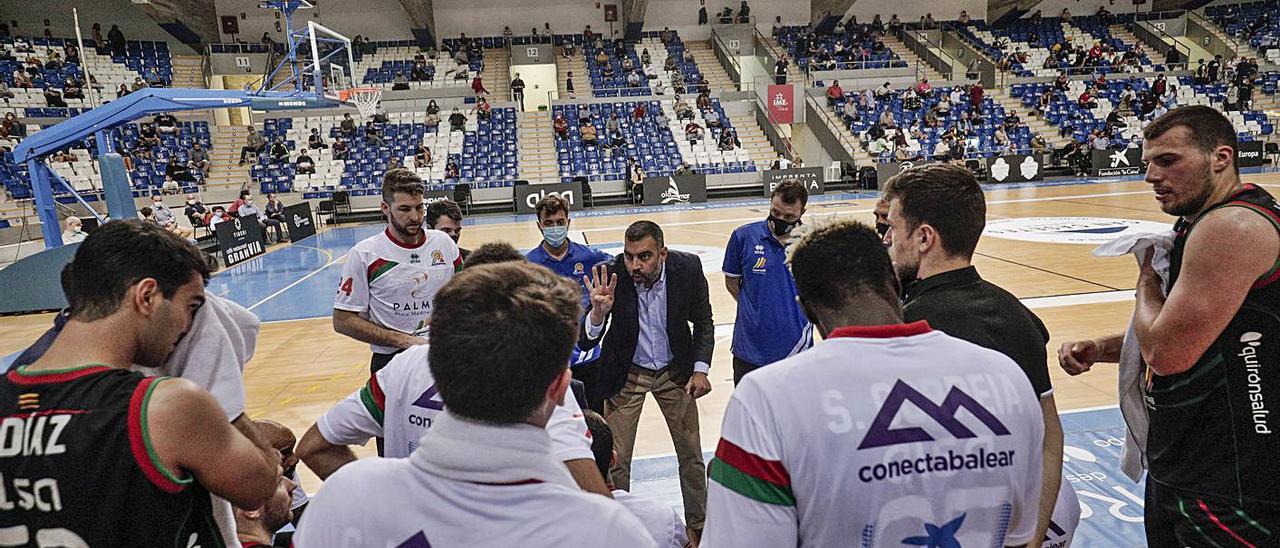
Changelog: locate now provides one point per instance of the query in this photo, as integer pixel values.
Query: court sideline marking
(331, 262)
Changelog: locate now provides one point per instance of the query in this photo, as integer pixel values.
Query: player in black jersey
(1210, 346)
(93, 454)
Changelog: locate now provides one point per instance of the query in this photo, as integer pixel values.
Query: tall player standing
(1209, 342)
(389, 279)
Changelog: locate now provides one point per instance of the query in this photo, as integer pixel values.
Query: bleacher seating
(1254, 23)
(868, 53)
(1035, 37)
(485, 151)
(141, 59)
(616, 84)
(1065, 112)
(145, 178)
(381, 60)
(981, 140)
(660, 149)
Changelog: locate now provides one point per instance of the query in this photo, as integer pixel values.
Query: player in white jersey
(663, 521)
(399, 403)
(389, 279)
(485, 474)
(884, 434)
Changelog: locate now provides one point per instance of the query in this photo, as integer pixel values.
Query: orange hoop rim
(346, 94)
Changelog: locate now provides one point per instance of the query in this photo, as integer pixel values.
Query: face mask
(555, 235)
(191, 202)
(781, 227)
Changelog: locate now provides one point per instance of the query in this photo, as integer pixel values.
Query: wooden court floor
(302, 366)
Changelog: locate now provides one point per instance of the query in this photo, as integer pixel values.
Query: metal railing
(1213, 30)
(836, 125)
(920, 44)
(728, 62)
(1159, 36)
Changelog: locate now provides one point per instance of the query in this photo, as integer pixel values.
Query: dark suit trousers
(622, 412)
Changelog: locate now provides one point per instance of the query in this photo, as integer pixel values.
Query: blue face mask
(555, 235)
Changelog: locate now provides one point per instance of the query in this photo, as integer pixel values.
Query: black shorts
(1176, 518)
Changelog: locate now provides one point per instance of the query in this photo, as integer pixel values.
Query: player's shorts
(1176, 518)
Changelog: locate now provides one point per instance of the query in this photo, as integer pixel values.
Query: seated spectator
(1011, 121)
(638, 113)
(255, 143)
(1038, 144)
(315, 141)
(561, 126)
(138, 83)
(628, 65)
(178, 171)
(154, 79)
(729, 140)
(305, 164)
(923, 89)
(712, 118)
(248, 210)
(419, 72)
(372, 135)
(616, 141)
(483, 110)
(635, 178)
(457, 120)
(589, 134)
(198, 158)
(64, 156)
(399, 81)
(609, 72)
(644, 56)
(54, 98)
(883, 92)
(5, 93)
(74, 231)
(217, 215)
(72, 89)
(1100, 140)
(275, 211)
(279, 152)
(693, 132)
(703, 102)
(347, 126)
(148, 137)
(669, 65)
(22, 80)
(683, 112)
(634, 79)
(339, 149)
(834, 92)
(1086, 100)
(160, 214)
(451, 170)
(661, 119)
(432, 121)
(601, 58)
(422, 157)
(195, 211)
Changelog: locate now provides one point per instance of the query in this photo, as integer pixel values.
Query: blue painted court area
(1110, 503)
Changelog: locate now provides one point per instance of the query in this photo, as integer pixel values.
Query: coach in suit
(643, 317)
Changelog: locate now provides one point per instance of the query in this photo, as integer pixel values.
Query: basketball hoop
(365, 99)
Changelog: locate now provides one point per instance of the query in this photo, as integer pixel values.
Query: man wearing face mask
(770, 325)
(642, 305)
(882, 215)
(446, 216)
(572, 259)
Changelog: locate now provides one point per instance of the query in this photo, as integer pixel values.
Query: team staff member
(823, 447)
(936, 216)
(568, 258)
(113, 456)
(649, 348)
(770, 325)
(1209, 345)
(389, 279)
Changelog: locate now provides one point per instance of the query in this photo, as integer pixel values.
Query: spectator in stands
(886, 119)
(483, 110)
(964, 17)
(154, 79)
(304, 165)
(244, 197)
(22, 80)
(561, 126)
(834, 92)
(399, 81)
(372, 135)
(462, 58)
(1099, 140)
(5, 93)
(160, 214)
(568, 84)
(877, 146)
(122, 91)
(419, 72)
(422, 156)
(693, 132)
(683, 112)
(248, 210)
(613, 123)
(451, 170)
(348, 126)
(73, 232)
(54, 98)
(178, 171)
(275, 211)
(340, 149)
(148, 137)
(1011, 121)
(712, 118)
(138, 83)
(166, 123)
(661, 120)
(616, 142)
(279, 152)
(315, 141)
(116, 38)
(729, 140)
(64, 155)
(1086, 100)
(780, 70)
(1215, 68)
(217, 215)
(589, 133)
(457, 120)
(638, 113)
(1066, 15)
(198, 158)
(923, 89)
(72, 89)
(1038, 144)
(99, 43)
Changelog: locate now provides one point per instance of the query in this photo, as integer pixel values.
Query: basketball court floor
(1038, 246)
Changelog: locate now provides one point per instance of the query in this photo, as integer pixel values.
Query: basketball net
(365, 99)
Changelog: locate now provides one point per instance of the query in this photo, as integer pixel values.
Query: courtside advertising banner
(1015, 168)
(676, 189)
(240, 239)
(298, 220)
(810, 176)
(527, 196)
(1114, 163)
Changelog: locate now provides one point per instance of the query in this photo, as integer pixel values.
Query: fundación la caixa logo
(882, 434)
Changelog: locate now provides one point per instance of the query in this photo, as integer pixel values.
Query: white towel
(222, 339)
(1131, 375)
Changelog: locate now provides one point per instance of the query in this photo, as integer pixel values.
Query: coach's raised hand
(600, 285)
